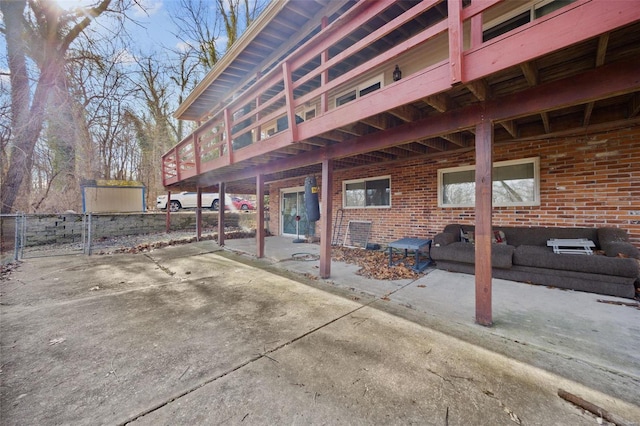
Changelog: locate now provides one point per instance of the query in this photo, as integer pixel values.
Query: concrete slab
(564, 332)
(373, 368)
(109, 357)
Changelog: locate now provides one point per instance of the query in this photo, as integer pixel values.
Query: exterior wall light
(397, 74)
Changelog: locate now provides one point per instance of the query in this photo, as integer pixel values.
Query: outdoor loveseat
(522, 254)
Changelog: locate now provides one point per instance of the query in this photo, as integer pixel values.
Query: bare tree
(156, 131)
(184, 73)
(210, 31)
(42, 31)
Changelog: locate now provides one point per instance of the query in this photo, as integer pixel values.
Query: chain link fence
(36, 235)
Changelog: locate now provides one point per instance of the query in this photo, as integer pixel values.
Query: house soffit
(275, 33)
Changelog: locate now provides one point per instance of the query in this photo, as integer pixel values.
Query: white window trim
(344, 192)
(536, 182)
(359, 87)
(302, 112)
(531, 7)
(272, 125)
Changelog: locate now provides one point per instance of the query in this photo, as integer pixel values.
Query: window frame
(529, 160)
(365, 180)
(379, 79)
(492, 27)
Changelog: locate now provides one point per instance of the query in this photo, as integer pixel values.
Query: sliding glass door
(292, 205)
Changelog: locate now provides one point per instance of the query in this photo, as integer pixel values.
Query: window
(310, 113)
(361, 90)
(347, 97)
(367, 193)
(515, 183)
(306, 113)
(522, 16)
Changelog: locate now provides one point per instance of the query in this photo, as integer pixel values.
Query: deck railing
(235, 132)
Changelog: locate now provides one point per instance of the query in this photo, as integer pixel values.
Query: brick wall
(586, 181)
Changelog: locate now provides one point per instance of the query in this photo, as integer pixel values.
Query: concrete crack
(251, 360)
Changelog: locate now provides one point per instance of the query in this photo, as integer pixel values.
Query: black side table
(414, 244)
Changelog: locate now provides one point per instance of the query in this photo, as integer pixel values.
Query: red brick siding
(587, 181)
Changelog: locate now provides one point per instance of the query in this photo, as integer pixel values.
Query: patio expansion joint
(257, 357)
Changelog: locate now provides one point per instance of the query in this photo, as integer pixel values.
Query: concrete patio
(196, 334)
(558, 330)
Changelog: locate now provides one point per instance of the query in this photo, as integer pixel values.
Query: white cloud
(144, 8)
(124, 57)
(183, 47)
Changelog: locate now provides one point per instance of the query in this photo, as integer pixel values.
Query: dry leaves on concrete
(152, 245)
(375, 264)
(6, 269)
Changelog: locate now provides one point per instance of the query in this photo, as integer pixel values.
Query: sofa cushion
(621, 249)
(501, 255)
(445, 238)
(615, 242)
(544, 257)
(538, 236)
(453, 228)
(608, 234)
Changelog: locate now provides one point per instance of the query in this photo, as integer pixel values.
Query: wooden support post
(167, 223)
(199, 214)
(327, 207)
(483, 231)
(476, 30)
(257, 117)
(324, 76)
(455, 40)
(288, 95)
(228, 135)
(260, 231)
(221, 198)
(197, 152)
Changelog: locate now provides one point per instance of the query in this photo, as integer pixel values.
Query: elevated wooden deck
(572, 69)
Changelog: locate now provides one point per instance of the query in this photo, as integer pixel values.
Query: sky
(152, 30)
(159, 30)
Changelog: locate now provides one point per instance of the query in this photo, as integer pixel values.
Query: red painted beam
(572, 24)
(602, 82)
(288, 95)
(387, 57)
(427, 82)
(477, 7)
(228, 136)
(337, 30)
(455, 40)
(368, 40)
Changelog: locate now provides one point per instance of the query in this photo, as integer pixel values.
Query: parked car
(189, 200)
(242, 203)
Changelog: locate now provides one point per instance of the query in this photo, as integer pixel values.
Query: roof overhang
(187, 110)
(279, 29)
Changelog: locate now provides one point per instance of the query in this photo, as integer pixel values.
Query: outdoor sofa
(523, 255)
